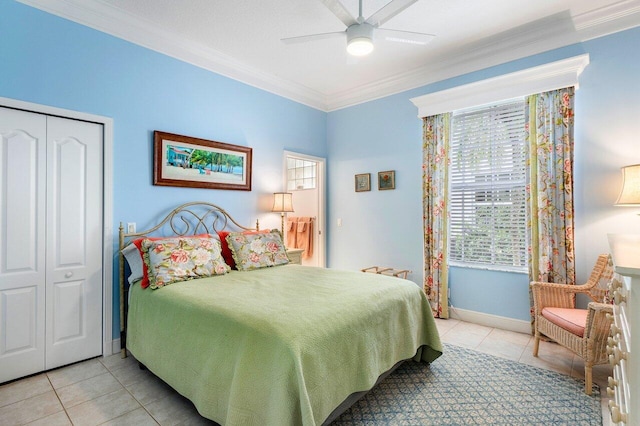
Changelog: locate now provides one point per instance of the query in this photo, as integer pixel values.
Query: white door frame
(322, 201)
(107, 203)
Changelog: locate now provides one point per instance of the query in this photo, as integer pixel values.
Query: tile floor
(114, 391)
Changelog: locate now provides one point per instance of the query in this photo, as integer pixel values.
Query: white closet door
(22, 237)
(74, 241)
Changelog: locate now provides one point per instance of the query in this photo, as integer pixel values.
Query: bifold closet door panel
(22, 242)
(74, 241)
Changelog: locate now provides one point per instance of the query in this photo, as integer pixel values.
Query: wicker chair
(583, 331)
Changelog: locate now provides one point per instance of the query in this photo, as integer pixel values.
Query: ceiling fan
(360, 32)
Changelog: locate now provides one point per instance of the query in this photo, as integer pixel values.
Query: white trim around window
(551, 76)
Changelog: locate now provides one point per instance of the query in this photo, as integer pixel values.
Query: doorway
(304, 178)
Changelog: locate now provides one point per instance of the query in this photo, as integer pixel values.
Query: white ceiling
(241, 39)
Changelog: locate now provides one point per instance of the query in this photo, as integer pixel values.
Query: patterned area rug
(466, 387)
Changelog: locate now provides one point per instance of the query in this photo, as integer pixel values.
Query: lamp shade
(282, 202)
(630, 193)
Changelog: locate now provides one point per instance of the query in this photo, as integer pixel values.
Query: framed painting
(199, 163)
(387, 180)
(363, 182)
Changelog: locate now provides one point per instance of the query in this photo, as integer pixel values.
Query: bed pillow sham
(134, 259)
(144, 283)
(226, 251)
(254, 251)
(179, 259)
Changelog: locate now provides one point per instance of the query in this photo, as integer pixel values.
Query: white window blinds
(487, 211)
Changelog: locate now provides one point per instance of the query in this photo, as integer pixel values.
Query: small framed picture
(363, 182)
(387, 180)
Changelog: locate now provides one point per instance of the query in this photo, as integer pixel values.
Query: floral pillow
(144, 283)
(226, 251)
(179, 259)
(253, 251)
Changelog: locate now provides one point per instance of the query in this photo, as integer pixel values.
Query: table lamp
(630, 192)
(282, 203)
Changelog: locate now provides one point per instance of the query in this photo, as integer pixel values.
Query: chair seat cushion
(572, 320)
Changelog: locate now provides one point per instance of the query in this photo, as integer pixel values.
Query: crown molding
(507, 46)
(108, 19)
(606, 20)
(559, 31)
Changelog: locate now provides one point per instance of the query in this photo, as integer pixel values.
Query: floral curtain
(549, 140)
(435, 166)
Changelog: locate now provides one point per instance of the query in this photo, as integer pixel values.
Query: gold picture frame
(386, 180)
(363, 182)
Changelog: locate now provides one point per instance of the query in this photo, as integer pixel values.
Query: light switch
(339, 221)
(131, 228)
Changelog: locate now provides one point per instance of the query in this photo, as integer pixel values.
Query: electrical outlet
(131, 228)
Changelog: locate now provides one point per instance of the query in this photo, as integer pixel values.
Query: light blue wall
(51, 61)
(385, 227)
(607, 138)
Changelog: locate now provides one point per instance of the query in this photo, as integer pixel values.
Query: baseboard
(503, 323)
(115, 347)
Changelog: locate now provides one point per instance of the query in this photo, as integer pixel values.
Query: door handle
(68, 274)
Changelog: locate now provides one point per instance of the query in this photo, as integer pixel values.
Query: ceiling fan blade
(408, 37)
(312, 37)
(388, 11)
(338, 9)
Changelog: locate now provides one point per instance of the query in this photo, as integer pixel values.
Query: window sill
(489, 268)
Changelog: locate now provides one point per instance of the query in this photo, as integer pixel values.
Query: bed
(281, 345)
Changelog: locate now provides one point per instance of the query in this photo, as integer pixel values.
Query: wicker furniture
(589, 327)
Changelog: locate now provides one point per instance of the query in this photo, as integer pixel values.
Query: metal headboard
(192, 218)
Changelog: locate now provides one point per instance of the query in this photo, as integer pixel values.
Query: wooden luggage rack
(399, 273)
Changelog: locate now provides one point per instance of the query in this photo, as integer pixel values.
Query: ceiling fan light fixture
(360, 39)
(360, 46)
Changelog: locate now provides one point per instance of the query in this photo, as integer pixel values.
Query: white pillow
(134, 259)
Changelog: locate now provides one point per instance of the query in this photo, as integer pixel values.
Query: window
(487, 176)
(301, 174)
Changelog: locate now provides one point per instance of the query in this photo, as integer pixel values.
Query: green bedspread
(279, 346)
